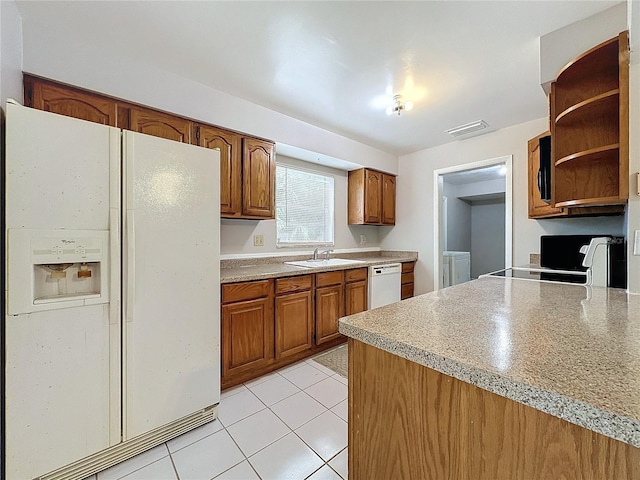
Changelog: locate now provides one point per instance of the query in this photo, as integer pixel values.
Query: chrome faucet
(327, 252)
(315, 253)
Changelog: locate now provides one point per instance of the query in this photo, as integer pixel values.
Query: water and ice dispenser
(55, 269)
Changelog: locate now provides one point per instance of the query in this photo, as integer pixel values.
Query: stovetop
(541, 275)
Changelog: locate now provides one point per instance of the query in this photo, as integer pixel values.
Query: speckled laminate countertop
(245, 270)
(567, 350)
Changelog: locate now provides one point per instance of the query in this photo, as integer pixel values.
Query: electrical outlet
(363, 239)
(258, 240)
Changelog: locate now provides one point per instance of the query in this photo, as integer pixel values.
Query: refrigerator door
(62, 367)
(171, 296)
(57, 389)
(57, 171)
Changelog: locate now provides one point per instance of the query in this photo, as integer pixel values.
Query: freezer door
(58, 394)
(62, 367)
(171, 299)
(58, 171)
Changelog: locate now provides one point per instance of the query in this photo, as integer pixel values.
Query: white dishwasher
(384, 284)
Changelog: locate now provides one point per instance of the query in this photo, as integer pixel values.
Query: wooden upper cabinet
(388, 199)
(158, 124)
(258, 178)
(371, 198)
(538, 208)
(230, 147)
(590, 127)
(63, 100)
(247, 164)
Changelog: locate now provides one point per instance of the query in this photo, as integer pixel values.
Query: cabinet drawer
(408, 267)
(237, 292)
(406, 291)
(406, 278)
(293, 284)
(356, 275)
(329, 278)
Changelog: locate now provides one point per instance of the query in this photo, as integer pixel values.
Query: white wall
(563, 45)
(49, 53)
(414, 228)
(236, 236)
(10, 52)
(487, 236)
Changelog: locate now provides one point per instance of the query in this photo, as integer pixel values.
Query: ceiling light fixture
(399, 105)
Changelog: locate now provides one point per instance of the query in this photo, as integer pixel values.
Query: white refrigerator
(112, 316)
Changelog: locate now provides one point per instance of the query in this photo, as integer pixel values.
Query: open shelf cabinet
(590, 128)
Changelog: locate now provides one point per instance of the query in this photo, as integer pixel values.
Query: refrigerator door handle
(131, 264)
(114, 256)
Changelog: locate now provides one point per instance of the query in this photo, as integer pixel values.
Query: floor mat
(336, 360)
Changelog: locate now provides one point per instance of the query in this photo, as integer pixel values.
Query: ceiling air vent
(468, 129)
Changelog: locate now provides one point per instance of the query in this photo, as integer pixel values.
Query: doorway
(473, 220)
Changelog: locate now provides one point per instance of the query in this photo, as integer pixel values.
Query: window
(304, 207)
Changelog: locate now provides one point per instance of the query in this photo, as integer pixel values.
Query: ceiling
(336, 65)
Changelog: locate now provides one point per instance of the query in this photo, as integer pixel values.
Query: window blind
(304, 207)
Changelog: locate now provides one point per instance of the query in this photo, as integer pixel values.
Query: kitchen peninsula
(496, 379)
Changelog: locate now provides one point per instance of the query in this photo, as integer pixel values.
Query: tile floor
(287, 425)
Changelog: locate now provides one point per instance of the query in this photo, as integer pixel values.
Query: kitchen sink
(332, 262)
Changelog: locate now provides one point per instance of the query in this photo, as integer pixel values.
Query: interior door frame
(438, 231)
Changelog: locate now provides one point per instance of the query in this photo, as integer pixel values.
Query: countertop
(272, 267)
(567, 350)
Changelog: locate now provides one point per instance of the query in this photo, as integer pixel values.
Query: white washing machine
(456, 267)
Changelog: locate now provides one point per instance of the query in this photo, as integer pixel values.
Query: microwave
(544, 170)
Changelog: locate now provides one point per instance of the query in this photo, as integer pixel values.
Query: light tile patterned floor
(288, 425)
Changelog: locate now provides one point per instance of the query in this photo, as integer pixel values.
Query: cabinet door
(229, 144)
(258, 178)
(329, 308)
(159, 124)
(388, 199)
(356, 297)
(247, 335)
(68, 101)
(537, 207)
(294, 323)
(373, 196)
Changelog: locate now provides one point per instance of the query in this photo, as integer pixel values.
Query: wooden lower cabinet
(247, 326)
(329, 308)
(356, 290)
(410, 422)
(294, 316)
(268, 324)
(407, 280)
(329, 305)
